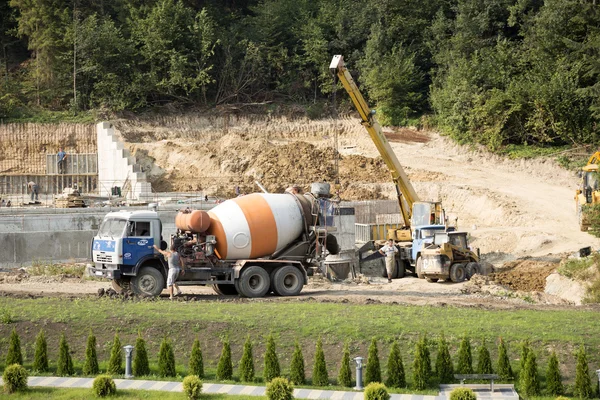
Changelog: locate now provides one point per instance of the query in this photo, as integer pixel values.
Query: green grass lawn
(86, 394)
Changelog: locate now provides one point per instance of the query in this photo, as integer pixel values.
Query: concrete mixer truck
(250, 245)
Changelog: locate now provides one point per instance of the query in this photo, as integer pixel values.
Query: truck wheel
(458, 273)
(471, 269)
(148, 282)
(419, 268)
(288, 281)
(272, 278)
(400, 269)
(254, 281)
(121, 285)
(224, 289)
(432, 280)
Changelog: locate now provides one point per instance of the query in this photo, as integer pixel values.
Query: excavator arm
(404, 189)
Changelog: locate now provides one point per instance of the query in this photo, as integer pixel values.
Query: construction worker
(34, 190)
(389, 251)
(62, 161)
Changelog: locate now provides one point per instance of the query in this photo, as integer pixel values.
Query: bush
(297, 376)
(196, 366)
(583, 383)
(420, 374)
(280, 389)
(225, 366)
(14, 355)
(91, 359)
(246, 368)
(141, 366)
(524, 352)
(484, 361)
(345, 374)
(444, 368)
(64, 365)
(528, 378)
(504, 369)
(396, 377)
(373, 372)
(271, 369)
(166, 359)
(554, 384)
(40, 358)
(115, 363)
(15, 378)
(465, 359)
(104, 386)
(462, 394)
(319, 376)
(376, 391)
(192, 387)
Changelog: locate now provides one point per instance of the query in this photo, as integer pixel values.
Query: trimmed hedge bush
(554, 384)
(320, 376)
(465, 359)
(192, 387)
(141, 366)
(104, 386)
(462, 394)
(225, 366)
(115, 363)
(196, 366)
(271, 369)
(14, 355)
(484, 361)
(297, 375)
(376, 391)
(583, 382)
(504, 369)
(166, 359)
(15, 378)
(280, 389)
(373, 372)
(40, 359)
(345, 374)
(396, 378)
(91, 358)
(528, 378)
(420, 371)
(64, 365)
(444, 368)
(246, 367)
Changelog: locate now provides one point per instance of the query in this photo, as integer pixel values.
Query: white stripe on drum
(287, 217)
(237, 232)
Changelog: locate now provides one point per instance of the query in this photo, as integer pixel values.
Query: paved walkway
(503, 392)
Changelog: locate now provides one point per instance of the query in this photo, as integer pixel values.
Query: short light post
(359, 368)
(598, 373)
(128, 351)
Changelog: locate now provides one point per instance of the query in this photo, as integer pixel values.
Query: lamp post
(128, 350)
(359, 368)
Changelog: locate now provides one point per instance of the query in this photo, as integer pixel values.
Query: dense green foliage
(246, 367)
(376, 391)
(115, 363)
(529, 382)
(15, 378)
(90, 367)
(345, 372)
(319, 375)
(280, 389)
(271, 368)
(373, 372)
(465, 358)
(421, 365)
(444, 368)
(104, 386)
(40, 358)
(583, 382)
(196, 364)
(462, 394)
(491, 71)
(503, 367)
(297, 375)
(396, 377)
(64, 365)
(484, 361)
(225, 365)
(166, 359)
(554, 386)
(192, 387)
(14, 355)
(141, 365)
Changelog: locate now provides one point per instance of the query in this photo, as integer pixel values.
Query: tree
(319, 376)
(141, 366)
(465, 359)
(246, 367)
(345, 374)
(373, 373)
(420, 374)
(64, 365)
(396, 377)
(525, 349)
(196, 366)
(444, 367)
(271, 369)
(225, 366)
(297, 376)
(166, 359)
(40, 359)
(504, 369)
(554, 384)
(90, 367)
(583, 383)
(528, 378)
(484, 361)
(115, 363)
(14, 355)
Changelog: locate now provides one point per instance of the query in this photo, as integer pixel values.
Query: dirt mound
(525, 274)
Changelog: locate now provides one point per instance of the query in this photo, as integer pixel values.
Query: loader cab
(589, 181)
(458, 239)
(424, 235)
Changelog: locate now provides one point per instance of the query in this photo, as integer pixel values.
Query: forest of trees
(488, 71)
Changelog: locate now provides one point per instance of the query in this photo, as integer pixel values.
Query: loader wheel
(432, 280)
(224, 289)
(458, 273)
(148, 282)
(419, 268)
(121, 285)
(254, 281)
(288, 281)
(471, 269)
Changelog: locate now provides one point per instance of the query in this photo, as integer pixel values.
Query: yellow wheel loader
(449, 258)
(588, 193)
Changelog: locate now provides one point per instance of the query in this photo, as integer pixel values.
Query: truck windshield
(430, 232)
(112, 227)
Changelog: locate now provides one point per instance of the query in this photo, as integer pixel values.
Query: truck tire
(458, 273)
(148, 282)
(254, 281)
(419, 268)
(400, 269)
(288, 281)
(121, 285)
(224, 289)
(471, 269)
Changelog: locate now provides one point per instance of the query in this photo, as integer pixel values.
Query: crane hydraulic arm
(404, 189)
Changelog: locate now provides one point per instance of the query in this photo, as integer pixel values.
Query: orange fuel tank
(195, 221)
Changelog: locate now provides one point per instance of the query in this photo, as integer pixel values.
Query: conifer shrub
(15, 378)
(14, 355)
(462, 394)
(444, 368)
(166, 359)
(104, 386)
(225, 365)
(345, 373)
(192, 387)
(320, 376)
(271, 368)
(64, 365)
(40, 358)
(115, 362)
(90, 367)
(420, 375)
(376, 391)
(484, 361)
(280, 389)
(528, 378)
(524, 352)
(554, 384)
(246, 368)
(396, 378)
(465, 359)
(373, 372)
(426, 356)
(503, 367)
(196, 365)
(297, 375)
(141, 365)
(583, 382)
